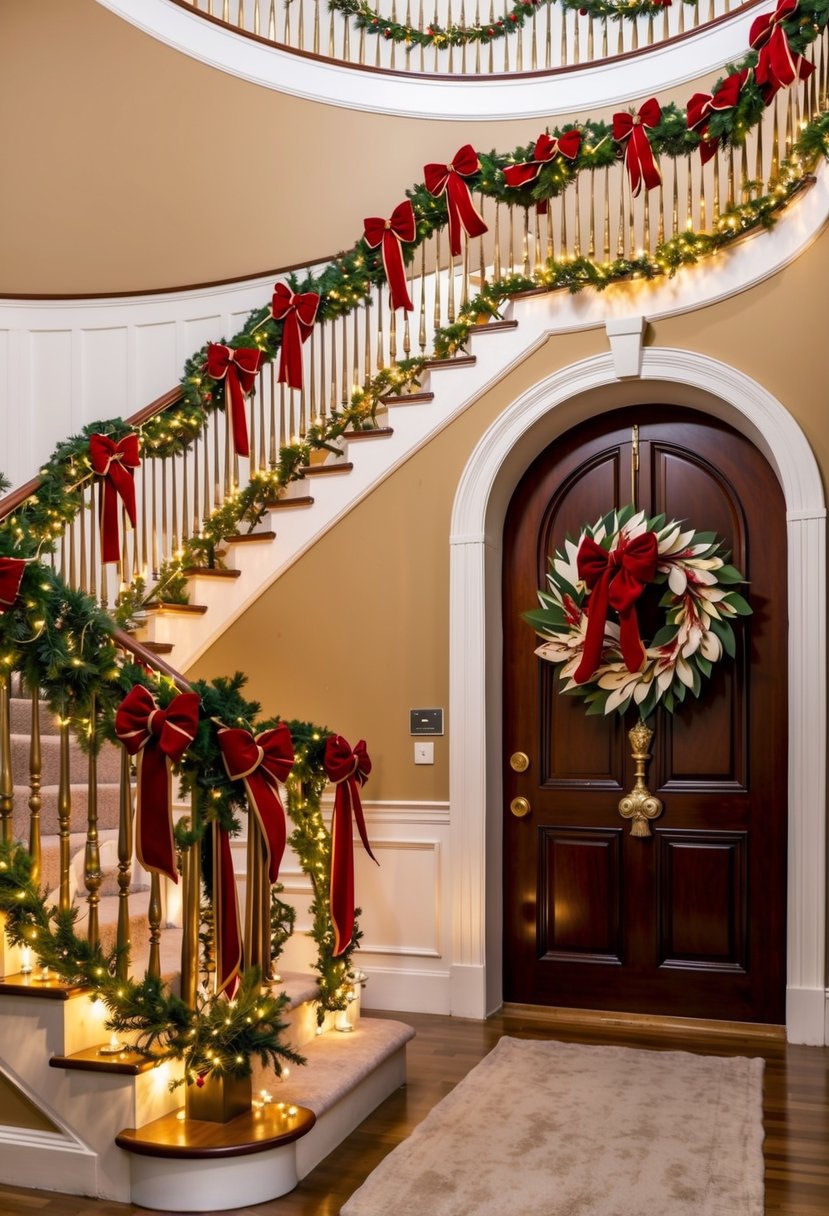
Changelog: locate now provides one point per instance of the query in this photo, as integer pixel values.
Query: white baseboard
(468, 999)
(806, 1016)
(408, 990)
(47, 1161)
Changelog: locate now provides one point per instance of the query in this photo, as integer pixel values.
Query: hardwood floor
(796, 1114)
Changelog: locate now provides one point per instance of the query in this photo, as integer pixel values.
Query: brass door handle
(519, 762)
(520, 807)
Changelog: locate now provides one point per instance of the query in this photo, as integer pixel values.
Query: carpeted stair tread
(21, 717)
(108, 810)
(300, 987)
(335, 1064)
(108, 844)
(109, 760)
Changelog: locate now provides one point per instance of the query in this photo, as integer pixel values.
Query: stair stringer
(80, 1158)
(734, 270)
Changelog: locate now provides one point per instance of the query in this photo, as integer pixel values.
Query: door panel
(691, 920)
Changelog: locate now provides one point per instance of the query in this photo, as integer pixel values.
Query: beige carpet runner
(559, 1129)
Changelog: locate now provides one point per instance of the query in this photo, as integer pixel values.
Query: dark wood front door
(691, 920)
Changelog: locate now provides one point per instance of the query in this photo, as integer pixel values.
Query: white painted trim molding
(487, 99)
(493, 470)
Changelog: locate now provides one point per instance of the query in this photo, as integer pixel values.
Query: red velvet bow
(349, 770)
(616, 580)
(159, 738)
(632, 130)
(115, 463)
(261, 762)
(11, 576)
(777, 64)
(391, 234)
(459, 205)
(297, 312)
(238, 369)
(701, 106)
(547, 147)
(226, 920)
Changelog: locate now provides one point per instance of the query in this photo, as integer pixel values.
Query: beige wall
(17, 1111)
(356, 633)
(129, 166)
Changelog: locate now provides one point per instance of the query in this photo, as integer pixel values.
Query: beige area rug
(560, 1129)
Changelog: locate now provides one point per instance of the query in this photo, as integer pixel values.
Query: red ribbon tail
(226, 915)
(271, 818)
(342, 872)
(462, 213)
(153, 816)
(108, 515)
(630, 643)
(235, 410)
(290, 354)
(360, 818)
(395, 273)
(594, 639)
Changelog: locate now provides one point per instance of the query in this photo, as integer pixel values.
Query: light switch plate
(424, 753)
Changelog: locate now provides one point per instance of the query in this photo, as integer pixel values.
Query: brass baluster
(392, 339)
(355, 358)
(703, 208)
(185, 502)
(6, 775)
(83, 582)
(272, 22)
(367, 357)
(256, 17)
(344, 331)
(563, 50)
(539, 264)
(251, 432)
(715, 214)
(534, 40)
(154, 925)
(576, 55)
(605, 52)
(450, 289)
(732, 193)
(35, 777)
(316, 44)
(333, 366)
(312, 374)
(191, 911)
(590, 37)
(196, 524)
(689, 193)
(620, 244)
(124, 866)
(511, 216)
(283, 437)
(774, 171)
(272, 446)
(292, 431)
(666, 25)
(164, 547)
(64, 812)
(437, 316)
(496, 265)
(606, 221)
(525, 244)
(576, 218)
(92, 853)
(154, 524)
(323, 379)
(93, 554)
(465, 275)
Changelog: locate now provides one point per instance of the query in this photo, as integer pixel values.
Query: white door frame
(524, 429)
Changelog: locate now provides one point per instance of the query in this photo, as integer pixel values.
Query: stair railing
(463, 37)
(595, 217)
(257, 926)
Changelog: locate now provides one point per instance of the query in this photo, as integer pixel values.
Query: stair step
(280, 504)
(246, 538)
(175, 609)
(158, 647)
(324, 470)
(21, 717)
(109, 760)
(452, 361)
(378, 432)
(210, 572)
(409, 399)
(493, 327)
(108, 808)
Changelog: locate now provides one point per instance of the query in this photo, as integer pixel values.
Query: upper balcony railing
(471, 38)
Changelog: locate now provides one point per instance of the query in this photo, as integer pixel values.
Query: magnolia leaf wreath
(604, 572)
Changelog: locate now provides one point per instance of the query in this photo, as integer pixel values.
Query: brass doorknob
(520, 807)
(519, 762)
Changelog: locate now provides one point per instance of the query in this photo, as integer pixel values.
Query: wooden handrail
(17, 497)
(149, 659)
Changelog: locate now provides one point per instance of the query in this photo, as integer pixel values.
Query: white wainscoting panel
(405, 918)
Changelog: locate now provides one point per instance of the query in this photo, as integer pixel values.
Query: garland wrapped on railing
(369, 19)
(61, 642)
(735, 106)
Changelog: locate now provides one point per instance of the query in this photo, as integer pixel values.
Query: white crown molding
(503, 452)
(440, 98)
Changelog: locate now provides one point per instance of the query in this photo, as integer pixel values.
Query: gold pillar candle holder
(640, 805)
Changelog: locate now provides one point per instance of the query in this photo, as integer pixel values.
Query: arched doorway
(476, 789)
(690, 919)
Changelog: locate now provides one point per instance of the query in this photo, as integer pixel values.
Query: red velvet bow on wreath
(238, 368)
(11, 576)
(463, 215)
(547, 148)
(348, 770)
(632, 131)
(297, 312)
(777, 65)
(115, 463)
(616, 579)
(158, 738)
(390, 234)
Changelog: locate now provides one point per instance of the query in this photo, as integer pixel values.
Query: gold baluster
(620, 244)
(689, 194)
(292, 430)
(124, 866)
(284, 437)
(191, 911)
(380, 343)
(590, 37)
(164, 534)
(606, 222)
(185, 501)
(83, 580)
(680, 25)
(576, 55)
(154, 926)
(344, 397)
(666, 25)
(774, 171)
(355, 359)
(251, 433)
(421, 336)
(6, 776)
(392, 339)
(316, 43)
(576, 218)
(563, 52)
(511, 215)
(206, 466)
(301, 28)
(196, 524)
(253, 900)
(64, 812)
(646, 222)
(92, 853)
(35, 776)
(715, 213)
(496, 265)
(539, 265)
(620, 46)
(534, 40)
(154, 524)
(323, 370)
(450, 289)
(272, 443)
(605, 51)
(732, 193)
(437, 316)
(703, 209)
(93, 552)
(256, 17)
(745, 188)
(272, 23)
(312, 375)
